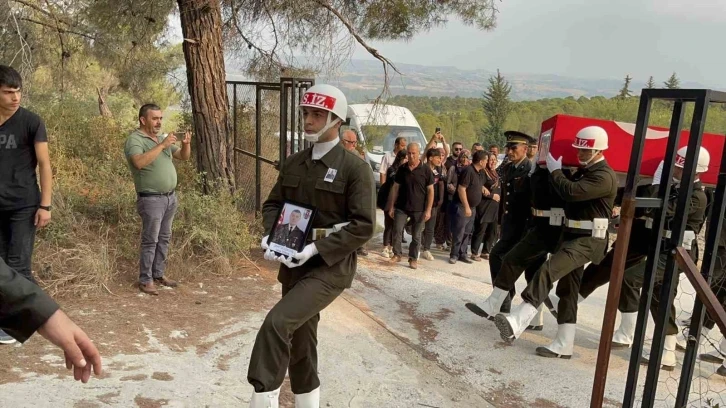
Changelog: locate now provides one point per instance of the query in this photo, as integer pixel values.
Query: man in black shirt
(412, 196)
(467, 197)
(23, 206)
(456, 148)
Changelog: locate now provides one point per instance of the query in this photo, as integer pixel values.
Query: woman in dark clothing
(485, 224)
(383, 201)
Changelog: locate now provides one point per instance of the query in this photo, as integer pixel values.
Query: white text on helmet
(322, 101)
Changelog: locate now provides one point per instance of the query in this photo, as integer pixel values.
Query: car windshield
(380, 138)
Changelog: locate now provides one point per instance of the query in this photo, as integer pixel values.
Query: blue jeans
(461, 228)
(17, 237)
(157, 213)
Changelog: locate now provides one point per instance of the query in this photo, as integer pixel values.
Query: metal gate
(265, 130)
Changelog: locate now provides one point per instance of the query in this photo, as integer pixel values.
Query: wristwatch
(45, 207)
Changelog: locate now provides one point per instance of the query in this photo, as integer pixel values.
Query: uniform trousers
(596, 276)
(511, 233)
(288, 339)
(532, 252)
(573, 252)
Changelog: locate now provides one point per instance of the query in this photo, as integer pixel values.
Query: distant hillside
(362, 79)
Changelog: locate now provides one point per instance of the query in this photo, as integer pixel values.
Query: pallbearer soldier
(589, 199)
(340, 185)
(598, 275)
(633, 280)
(548, 216)
(516, 210)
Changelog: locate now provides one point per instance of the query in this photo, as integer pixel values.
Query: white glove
(658, 173)
(263, 244)
(270, 255)
(553, 164)
(308, 252)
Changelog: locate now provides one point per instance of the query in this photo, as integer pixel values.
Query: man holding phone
(149, 157)
(438, 140)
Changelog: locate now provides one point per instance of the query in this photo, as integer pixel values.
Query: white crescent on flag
(629, 128)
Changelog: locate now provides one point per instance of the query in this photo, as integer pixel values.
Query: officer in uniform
(589, 199)
(340, 185)
(548, 216)
(516, 211)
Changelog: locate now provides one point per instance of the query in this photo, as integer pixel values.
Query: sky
(586, 39)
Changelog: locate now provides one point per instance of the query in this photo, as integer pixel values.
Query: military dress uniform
(288, 336)
(589, 198)
(287, 236)
(516, 212)
(531, 252)
(24, 307)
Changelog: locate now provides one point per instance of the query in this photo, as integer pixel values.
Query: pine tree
(497, 107)
(651, 83)
(625, 90)
(673, 82)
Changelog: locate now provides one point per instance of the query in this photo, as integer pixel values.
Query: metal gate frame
(702, 98)
(291, 90)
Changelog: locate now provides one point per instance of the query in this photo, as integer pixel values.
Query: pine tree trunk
(201, 22)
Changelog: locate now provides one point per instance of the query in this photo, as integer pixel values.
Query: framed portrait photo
(291, 229)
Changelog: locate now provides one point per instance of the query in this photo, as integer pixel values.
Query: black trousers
(596, 276)
(630, 295)
(288, 338)
(718, 284)
(430, 229)
(531, 253)
(461, 228)
(573, 252)
(485, 232)
(399, 223)
(17, 239)
(512, 231)
(387, 229)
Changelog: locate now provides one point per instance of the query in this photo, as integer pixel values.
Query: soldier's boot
(715, 356)
(553, 301)
(562, 345)
(269, 399)
(490, 307)
(623, 336)
(668, 361)
(308, 400)
(511, 327)
(682, 342)
(537, 324)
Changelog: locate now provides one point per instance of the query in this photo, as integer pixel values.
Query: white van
(378, 126)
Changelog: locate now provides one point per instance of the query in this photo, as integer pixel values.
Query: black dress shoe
(535, 328)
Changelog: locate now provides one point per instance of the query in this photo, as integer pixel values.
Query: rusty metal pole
(627, 213)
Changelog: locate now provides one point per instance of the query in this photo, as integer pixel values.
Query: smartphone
(438, 129)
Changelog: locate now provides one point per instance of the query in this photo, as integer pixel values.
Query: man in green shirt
(149, 156)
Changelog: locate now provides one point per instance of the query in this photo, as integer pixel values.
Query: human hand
(263, 244)
(187, 137)
(553, 164)
(42, 218)
(467, 212)
(308, 252)
(80, 353)
(427, 215)
(496, 197)
(169, 140)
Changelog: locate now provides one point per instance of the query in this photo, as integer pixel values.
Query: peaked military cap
(514, 138)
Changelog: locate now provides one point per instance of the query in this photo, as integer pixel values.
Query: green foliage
(497, 107)
(673, 82)
(625, 90)
(527, 116)
(651, 83)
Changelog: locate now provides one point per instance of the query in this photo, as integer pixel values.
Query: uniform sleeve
(24, 307)
(361, 212)
(271, 206)
(594, 185)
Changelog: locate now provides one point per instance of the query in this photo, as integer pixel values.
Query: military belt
(578, 224)
(320, 233)
(541, 213)
(688, 237)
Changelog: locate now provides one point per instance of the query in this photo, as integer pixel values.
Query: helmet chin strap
(584, 164)
(313, 137)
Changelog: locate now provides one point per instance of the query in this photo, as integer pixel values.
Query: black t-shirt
(412, 187)
(470, 179)
(18, 181)
(439, 181)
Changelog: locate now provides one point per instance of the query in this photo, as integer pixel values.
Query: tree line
(484, 119)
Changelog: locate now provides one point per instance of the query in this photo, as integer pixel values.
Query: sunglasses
(458, 149)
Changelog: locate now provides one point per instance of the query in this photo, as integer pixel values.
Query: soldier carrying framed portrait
(289, 234)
